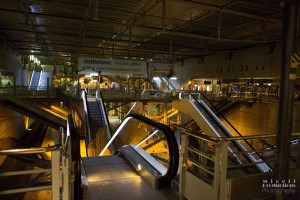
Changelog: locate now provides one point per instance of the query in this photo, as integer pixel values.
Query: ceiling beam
(226, 10)
(77, 18)
(116, 48)
(204, 37)
(134, 19)
(59, 5)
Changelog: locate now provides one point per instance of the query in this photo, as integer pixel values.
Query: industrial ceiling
(151, 30)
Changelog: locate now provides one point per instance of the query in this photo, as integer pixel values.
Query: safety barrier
(64, 166)
(207, 162)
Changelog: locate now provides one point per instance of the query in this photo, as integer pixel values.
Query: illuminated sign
(113, 66)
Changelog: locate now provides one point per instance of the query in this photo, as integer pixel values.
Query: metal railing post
(220, 171)
(183, 160)
(67, 174)
(55, 171)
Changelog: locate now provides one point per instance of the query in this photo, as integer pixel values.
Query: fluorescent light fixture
(173, 78)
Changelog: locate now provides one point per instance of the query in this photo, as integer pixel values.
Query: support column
(179, 118)
(288, 75)
(165, 113)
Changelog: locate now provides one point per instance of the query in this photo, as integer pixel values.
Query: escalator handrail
(221, 114)
(171, 141)
(230, 124)
(85, 106)
(99, 98)
(227, 132)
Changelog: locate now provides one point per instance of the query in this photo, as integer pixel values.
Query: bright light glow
(139, 167)
(88, 75)
(147, 138)
(207, 88)
(115, 135)
(93, 74)
(173, 78)
(269, 84)
(257, 84)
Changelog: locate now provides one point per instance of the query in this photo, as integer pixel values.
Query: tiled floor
(112, 178)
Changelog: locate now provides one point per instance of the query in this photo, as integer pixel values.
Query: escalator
(45, 80)
(34, 81)
(225, 105)
(95, 117)
(40, 80)
(143, 162)
(167, 82)
(28, 109)
(199, 108)
(98, 127)
(163, 84)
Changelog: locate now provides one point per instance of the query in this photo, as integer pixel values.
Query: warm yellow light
(139, 167)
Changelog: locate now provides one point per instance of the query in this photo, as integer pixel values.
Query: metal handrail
(99, 98)
(88, 129)
(199, 136)
(253, 137)
(224, 130)
(28, 150)
(61, 166)
(216, 139)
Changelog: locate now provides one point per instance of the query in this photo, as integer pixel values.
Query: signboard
(6, 73)
(113, 66)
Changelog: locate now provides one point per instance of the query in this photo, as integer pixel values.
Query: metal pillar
(285, 110)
